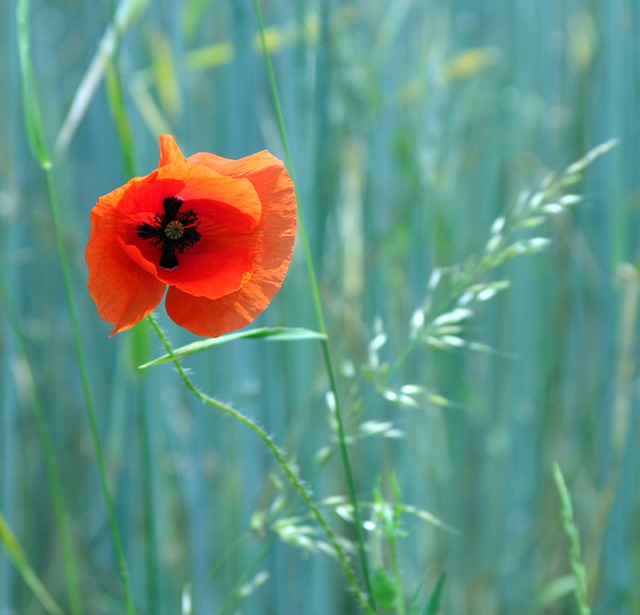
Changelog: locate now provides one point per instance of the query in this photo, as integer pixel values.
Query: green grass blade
(555, 591)
(37, 141)
(571, 531)
(274, 334)
(435, 601)
(120, 118)
(86, 387)
(32, 116)
(53, 473)
(127, 13)
(138, 350)
(18, 557)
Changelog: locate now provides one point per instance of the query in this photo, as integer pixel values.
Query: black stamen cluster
(158, 235)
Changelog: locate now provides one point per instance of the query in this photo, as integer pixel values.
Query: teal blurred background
(413, 125)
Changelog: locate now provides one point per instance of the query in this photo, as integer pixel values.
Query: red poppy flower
(219, 233)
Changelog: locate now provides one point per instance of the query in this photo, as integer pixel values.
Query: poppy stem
(288, 468)
(317, 303)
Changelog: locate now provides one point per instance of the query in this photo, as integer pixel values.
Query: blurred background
(413, 125)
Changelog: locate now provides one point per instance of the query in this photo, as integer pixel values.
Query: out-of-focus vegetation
(425, 139)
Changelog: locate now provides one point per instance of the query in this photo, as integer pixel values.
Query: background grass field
(413, 125)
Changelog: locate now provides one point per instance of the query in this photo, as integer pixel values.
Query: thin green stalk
(124, 16)
(146, 478)
(51, 467)
(288, 469)
(236, 595)
(19, 558)
(317, 303)
(571, 531)
(86, 388)
(39, 149)
(391, 532)
(120, 117)
(139, 353)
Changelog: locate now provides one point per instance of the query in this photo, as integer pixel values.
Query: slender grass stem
(40, 151)
(51, 466)
(317, 303)
(146, 479)
(573, 538)
(19, 558)
(138, 350)
(289, 470)
(86, 388)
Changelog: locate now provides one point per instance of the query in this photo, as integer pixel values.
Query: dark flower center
(171, 231)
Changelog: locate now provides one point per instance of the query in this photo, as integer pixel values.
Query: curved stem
(288, 469)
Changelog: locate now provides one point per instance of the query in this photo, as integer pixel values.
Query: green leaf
(556, 590)
(426, 516)
(275, 334)
(384, 589)
(435, 602)
(18, 557)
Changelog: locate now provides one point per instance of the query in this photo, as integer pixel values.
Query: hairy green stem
(288, 469)
(317, 303)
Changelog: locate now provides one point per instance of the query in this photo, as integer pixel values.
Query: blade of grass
(127, 13)
(280, 334)
(326, 350)
(623, 393)
(139, 340)
(571, 531)
(138, 349)
(32, 116)
(18, 557)
(39, 148)
(435, 601)
(120, 118)
(89, 403)
(51, 467)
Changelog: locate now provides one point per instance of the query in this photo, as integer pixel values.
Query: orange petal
(169, 151)
(271, 244)
(249, 166)
(123, 292)
(208, 273)
(233, 202)
(209, 317)
(209, 268)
